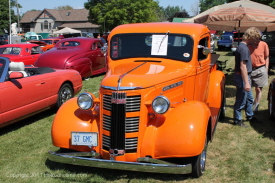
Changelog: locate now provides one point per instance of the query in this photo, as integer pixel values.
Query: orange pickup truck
(158, 104)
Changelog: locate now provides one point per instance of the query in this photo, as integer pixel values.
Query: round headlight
(85, 101)
(161, 104)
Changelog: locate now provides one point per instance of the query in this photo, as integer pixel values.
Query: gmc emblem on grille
(118, 98)
(118, 101)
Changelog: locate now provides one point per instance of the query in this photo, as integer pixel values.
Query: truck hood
(137, 75)
(56, 57)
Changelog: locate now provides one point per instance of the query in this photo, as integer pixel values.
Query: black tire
(223, 110)
(271, 104)
(65, 93)
(219, 48)
(198, 163)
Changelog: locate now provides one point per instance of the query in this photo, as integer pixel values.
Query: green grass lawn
(235, 155)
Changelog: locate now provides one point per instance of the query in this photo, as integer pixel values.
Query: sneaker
(241, 124)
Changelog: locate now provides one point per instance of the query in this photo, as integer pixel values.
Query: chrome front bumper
(142, 165)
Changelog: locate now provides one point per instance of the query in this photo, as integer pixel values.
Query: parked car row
(45, 79)
(28, 90)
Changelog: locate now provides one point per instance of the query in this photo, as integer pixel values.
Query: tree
(4, 14)
(171, 11)
(67, 7)
(111, 13)
(206, 4)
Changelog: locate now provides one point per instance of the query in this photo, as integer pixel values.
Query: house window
(50, 26)
(41, 26)
(46, 25)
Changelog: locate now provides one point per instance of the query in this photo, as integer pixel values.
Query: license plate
(84, 138)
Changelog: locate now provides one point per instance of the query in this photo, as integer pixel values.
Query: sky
(78, 4)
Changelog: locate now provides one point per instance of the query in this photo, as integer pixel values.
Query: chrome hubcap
(65, 95)
(202, 160)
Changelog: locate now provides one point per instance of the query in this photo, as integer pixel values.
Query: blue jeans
(244, 99)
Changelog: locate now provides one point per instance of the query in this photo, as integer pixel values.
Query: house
(50, 20)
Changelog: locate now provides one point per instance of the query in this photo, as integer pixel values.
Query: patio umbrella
(240, 3)
(238, 18)
(66, 30)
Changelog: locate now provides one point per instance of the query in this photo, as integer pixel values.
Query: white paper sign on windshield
(159, 45)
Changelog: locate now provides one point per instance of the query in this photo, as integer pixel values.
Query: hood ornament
(122, 76)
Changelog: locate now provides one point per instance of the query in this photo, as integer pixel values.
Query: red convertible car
(82, 54)
(27, 53)
(27, 91)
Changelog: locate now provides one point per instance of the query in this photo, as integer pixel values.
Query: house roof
(58, 15)
(30, 16)
(79, 25)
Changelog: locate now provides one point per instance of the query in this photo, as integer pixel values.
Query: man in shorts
(259, 53)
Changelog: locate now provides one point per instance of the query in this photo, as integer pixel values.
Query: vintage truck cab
(158, 104)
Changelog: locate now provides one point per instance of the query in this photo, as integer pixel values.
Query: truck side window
(202, 42)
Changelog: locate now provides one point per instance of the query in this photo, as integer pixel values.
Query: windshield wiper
(163, 39)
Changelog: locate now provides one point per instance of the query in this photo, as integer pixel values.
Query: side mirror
(16, 75)
(206, 51)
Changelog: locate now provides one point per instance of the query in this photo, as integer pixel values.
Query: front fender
(182, 133)
(70, 118)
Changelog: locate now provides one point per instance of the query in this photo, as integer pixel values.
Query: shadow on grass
(112, 174)
(264, 125)
(25, 122)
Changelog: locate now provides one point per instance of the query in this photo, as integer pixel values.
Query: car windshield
(47, 41)
(69, 43)
(225, 38)
(10, 50)
(154, 45)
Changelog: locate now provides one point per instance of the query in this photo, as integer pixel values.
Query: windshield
(226, 38)
(154, 45)
(69, 43)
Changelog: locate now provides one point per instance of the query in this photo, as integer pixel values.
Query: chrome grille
(130, 143)
(118, 124)
(131, 124)
(132, 103)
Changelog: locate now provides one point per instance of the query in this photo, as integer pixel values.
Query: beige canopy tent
(219, 24)
(66, 30)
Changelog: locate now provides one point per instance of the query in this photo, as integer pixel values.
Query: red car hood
(146, 75)
(40, 43)
(56, 57)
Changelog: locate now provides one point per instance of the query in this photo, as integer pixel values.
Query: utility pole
(10, 21)
(18, 15)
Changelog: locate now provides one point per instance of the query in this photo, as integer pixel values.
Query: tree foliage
(4, 14)
(206, 4)
(67, 7)
(111, 13)
(175, 11)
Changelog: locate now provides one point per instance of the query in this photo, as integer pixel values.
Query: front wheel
(65, 93)
(198, 163)
(271, 104)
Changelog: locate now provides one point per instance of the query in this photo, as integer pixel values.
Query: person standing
(243, 68)
(259, 53)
